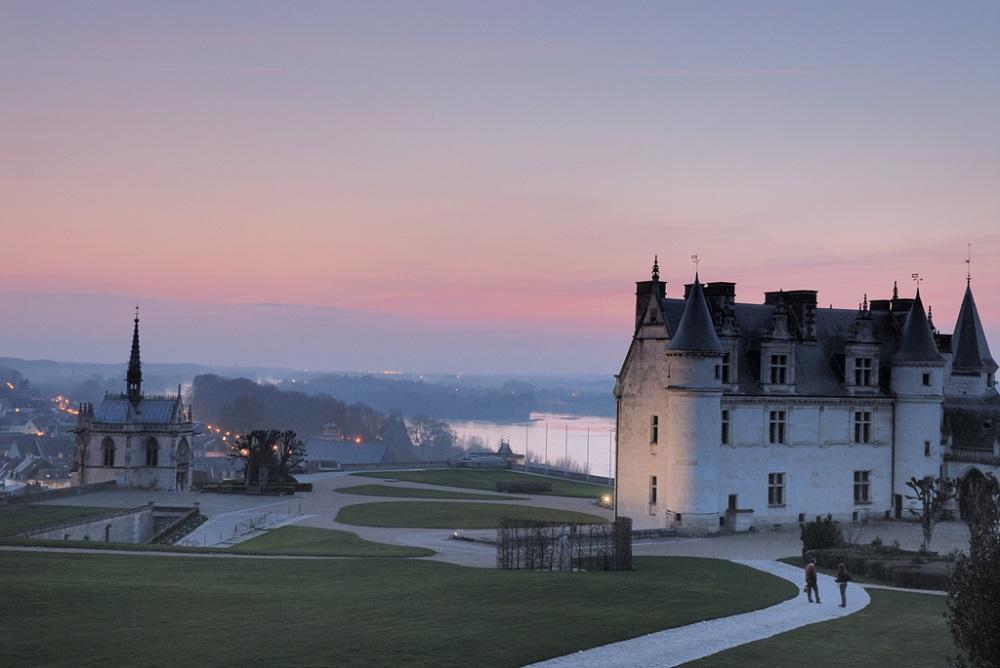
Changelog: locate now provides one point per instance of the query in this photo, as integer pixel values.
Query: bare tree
(932, 494)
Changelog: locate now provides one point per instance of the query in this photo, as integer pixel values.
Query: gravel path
(674, 647)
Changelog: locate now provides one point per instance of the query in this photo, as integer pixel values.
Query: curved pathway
(674, 647)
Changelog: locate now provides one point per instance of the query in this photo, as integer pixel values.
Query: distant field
(487, 480)
(415, 493)
(310, 541)
(452, 515)
(118, 610)
(21, 517)
(896, 629)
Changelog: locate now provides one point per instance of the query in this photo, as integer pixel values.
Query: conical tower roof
(968, 343)
(696, 331)
(917, 342)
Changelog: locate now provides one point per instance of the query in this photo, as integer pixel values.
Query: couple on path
(843, 577)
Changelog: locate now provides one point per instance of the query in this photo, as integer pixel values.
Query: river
(551, 438)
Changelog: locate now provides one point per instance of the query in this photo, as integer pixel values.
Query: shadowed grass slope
(21, 517)
(144, 611)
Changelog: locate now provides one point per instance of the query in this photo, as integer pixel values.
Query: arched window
(108, 451)
(183, 452)
(152, 452)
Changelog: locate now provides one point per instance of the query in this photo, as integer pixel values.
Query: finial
(895, 290)
(930, 315)
(968, 262)
(916, 279)
(656, 267)
(865, 307)
(696, 260)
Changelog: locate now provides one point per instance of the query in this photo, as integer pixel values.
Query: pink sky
(459, 170)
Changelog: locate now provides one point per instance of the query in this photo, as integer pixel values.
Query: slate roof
(695, 332)
(118, 409)
(819, 363)
(917, 342)
(347, 452)
(968, 342)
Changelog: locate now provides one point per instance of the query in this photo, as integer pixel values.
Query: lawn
(487, 480)
(21, 517)
(323, 542)
(896, 629)
(415, 493)
(148, 611)
(452, 515)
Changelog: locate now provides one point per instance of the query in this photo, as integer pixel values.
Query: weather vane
(916, 279)
(694, 258)
(968, 262)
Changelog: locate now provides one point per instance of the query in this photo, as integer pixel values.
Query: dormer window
(779, 369)
(863, 371)
(927, 379)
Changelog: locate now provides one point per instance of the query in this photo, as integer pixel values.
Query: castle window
(654, 429)
(152, 452)
(726, 367)
(927, 448)
(863, 371)
(862, 427)
(652, 489)
(775, 489)
(107, 452)
(778, 424)
(779, 369)
(927, 379)
(718, 371)
(725, 427)
(862, 487)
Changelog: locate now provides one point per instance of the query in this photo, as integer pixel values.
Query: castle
(135, 439)
(734, 414)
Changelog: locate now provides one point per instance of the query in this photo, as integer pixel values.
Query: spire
(656, 267)
(968, 343)
(917, 344)
(696, 331)
(133, 379)
(895, 290)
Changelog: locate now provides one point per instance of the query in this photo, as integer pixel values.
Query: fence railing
(544, 546)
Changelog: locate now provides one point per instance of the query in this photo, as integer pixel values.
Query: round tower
(917, 382)
(694, 390)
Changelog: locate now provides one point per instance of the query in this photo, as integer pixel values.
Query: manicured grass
(135, 610)
(487, 480)
(896, 629)
(415, 493)
(21, 517)
(452, 515)
(311, 541)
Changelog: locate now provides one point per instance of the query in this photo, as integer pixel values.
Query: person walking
(811, 584)
(843, 577)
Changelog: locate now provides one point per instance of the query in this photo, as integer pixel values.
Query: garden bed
(889, 565)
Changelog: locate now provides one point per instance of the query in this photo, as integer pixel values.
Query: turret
(973, 370)
(917, 382)
(694, 389)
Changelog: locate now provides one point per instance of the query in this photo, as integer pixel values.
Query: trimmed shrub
(821, 533)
